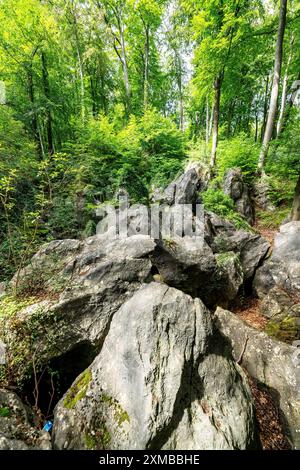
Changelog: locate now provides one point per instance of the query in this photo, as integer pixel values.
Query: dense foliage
(97, 95)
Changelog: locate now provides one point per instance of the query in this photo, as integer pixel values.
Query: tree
(275, 87)
(219, 27)
(115, 15)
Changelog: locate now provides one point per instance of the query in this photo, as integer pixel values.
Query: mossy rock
(78, 390)
(285, 329)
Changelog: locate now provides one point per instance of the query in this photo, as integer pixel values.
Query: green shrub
(238, 152)
(215, 200)
(272, 219)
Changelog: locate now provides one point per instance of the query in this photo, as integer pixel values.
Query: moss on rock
(78, 390)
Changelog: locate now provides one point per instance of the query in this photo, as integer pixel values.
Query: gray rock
(272, 363)
(251, 247)
(17, 431)
(181, 191)
(94, 278)
(230, 276)
(283, 268)
(235, 187)
(278, 305)
(261, 194)
(153, 386)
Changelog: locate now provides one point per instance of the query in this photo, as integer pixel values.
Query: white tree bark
(275, 87)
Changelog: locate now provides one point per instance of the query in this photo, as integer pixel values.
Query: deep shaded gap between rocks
(57, 377)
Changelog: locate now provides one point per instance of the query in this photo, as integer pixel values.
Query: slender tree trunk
(81, 78)
(263, 127)
(211, 119)
(125, 69)
(296, 204)
(216, 117)
(289, 107)
(284, 94)
(207, 123)
(48, 98)
(179, 84)
(229, 118)
(256, 127)
(146, 67)
(275, 87)
(34, 121)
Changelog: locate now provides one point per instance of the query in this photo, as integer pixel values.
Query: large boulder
(17, 429)
(235, 187)
(82, 285)
(161, 381)
(223, 237)
(270, 362)
(283, 268)
(262, 191)
(181, 191)
(189, 264)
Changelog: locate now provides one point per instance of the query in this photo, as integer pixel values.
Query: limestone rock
(94, 278)
(235, 187)
(17, 431)
(272, 363)
(283, 268)
(161, 381)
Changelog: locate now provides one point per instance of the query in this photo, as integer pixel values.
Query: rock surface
(223, 237)
(235, 187)
(17, 431)
(181, 191)
(84, 283)
(160, 382)
(283, 268)
(261, 194)
(272, 363)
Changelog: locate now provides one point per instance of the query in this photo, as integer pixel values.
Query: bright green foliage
(102, 95)
(238, 152)
(216, 201)
(5, 412)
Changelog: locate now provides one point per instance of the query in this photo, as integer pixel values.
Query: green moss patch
(285, 329)
(78, 390)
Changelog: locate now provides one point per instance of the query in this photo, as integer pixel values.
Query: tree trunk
(146, 67)
(263, 127)
(296, 204)
(80, 68)
(216, 116)
(48, 97)
(34, 121)
(275, 87)
(284, 94)
(256, 127)
(207, 123)
(229, 118)
(125, 69)
(81, 77)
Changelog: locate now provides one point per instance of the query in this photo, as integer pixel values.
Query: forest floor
(248, 310)
(267, 413)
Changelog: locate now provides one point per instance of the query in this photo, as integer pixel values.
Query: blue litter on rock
(48, 426)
